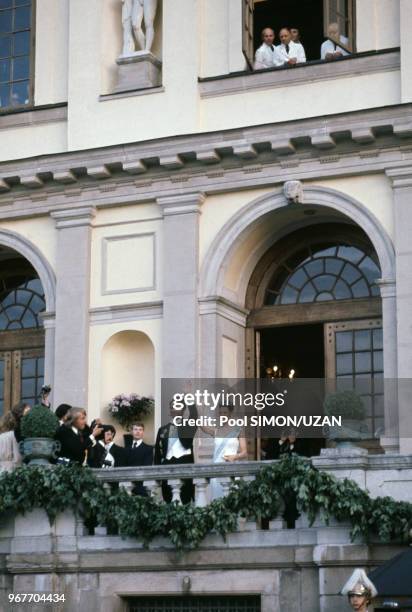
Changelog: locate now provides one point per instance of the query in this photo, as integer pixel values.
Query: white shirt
(92, 438)
(330, 47)
(109, 457)
(296, 50)
(267, 56)
(174, 446)
(136, 443)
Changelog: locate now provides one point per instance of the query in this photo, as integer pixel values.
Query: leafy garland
(317, 494)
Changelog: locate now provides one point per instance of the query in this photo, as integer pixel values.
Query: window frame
(7, 110)
(248, 25)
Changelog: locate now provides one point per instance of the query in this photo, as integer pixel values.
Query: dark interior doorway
(306, 15)
(297, 347)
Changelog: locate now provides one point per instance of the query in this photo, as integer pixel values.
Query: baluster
(225, 483)
(201, 491)
(127, 486)
(175, 484)
(152, 487)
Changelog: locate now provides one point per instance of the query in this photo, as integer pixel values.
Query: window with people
(284, 33)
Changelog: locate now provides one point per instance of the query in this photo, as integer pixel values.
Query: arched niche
(128, 367)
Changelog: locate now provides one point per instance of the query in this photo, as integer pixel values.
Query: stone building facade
(153, 221)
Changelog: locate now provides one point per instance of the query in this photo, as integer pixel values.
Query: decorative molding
(387, 287)
(223, 308)
(351, 66)
(401, 177)
(293, 192)
(74, 217)
(119, 238)
(34, 116)
(48, 319)
(128, 312)
(37, 260)
(181, 204)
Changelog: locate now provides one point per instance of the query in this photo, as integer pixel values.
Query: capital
(181, 204)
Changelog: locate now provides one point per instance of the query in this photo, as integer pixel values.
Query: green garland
(317, 493)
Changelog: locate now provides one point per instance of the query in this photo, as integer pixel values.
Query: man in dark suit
(75, 436)
(174, 445)
(139, 454)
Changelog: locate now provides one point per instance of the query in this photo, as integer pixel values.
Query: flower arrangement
(127, 409)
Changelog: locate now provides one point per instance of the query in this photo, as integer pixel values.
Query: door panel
(21, 377)
(354, 359)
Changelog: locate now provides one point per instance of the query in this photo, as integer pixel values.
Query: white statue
(134, 13)
(293, 191)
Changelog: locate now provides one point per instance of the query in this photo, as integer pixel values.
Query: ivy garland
(317, 494)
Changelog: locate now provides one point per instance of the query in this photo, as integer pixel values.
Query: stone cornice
(362, 142)
(127, 312)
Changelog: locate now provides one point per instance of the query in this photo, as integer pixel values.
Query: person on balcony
(229, 446)
(295, 33)
(75, 436)
(62, 412)
(138, 453)
(106, 454)
(10, 436)
(291, 53)
(267, 55)
(330, 49)
(174, 445)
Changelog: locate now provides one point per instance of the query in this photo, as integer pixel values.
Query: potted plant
(38, 428)
(349, 406)
(127, 409)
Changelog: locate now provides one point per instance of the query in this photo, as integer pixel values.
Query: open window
(311, 17)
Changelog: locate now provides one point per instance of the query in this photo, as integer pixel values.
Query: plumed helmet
(359, 584)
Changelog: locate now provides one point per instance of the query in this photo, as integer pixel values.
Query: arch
(35, 257)
(222, 247)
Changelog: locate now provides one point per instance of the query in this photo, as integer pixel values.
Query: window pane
(307, 294)
(40, 366)
(343, 342)
(5, 4)
(20, 93)
(350, 253)
(29, 320)
(333, 266)
(28, 387)
(378, 361)
(28, 367)
(314, 267)
(324, 282)
(22, 18)
(4, 70)
(21, 2)
(5, 46)
(21, 43)
(362, 340)
(289, 296)
(324, 297)
(344, 364)
(377, 339)
(350, 274)
(21, 68)
(363, 362)
(342, 291)
(298, 279)
(6, 21)
(360, 289)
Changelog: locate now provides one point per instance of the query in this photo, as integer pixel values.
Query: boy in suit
(139, 454)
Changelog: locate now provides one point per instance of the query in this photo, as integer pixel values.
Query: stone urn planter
(349, 406)
(38, 428)
(39, 451)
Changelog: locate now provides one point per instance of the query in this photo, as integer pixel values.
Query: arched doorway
(316, 312)
(22, 339)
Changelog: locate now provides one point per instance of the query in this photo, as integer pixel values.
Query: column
(72, 305)
(390, 440)
(402, 198)
(180, 272)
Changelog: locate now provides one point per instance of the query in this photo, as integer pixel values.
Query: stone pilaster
(72, 305)
(180, 282)
(402, 202)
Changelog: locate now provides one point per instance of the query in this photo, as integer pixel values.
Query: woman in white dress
(229, 445)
